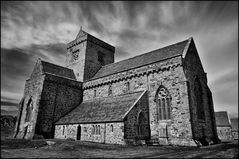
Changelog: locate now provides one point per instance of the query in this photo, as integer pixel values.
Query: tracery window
(29, 110)
(163, 101)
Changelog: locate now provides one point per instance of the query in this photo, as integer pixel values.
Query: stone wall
(133, 124)
(32, 92)
(82, 56)
(225, 133)
(59, 96)
(109, 132)
(92, 64)
(168, 73)
(203, 129)
(75, 57)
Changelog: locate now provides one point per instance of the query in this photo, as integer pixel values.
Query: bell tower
(87, 54)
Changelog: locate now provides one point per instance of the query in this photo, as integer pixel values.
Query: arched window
(110, 89)
(29, 110)
(93, 129)
(111, 128)
(163, 102)
(128, 86)
(199, 98)
(98, 129)
(63, 131)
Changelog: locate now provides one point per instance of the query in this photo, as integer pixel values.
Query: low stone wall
(225, 133)
(96, 132)
(235, 135)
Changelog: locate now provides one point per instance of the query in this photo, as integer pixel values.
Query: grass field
(13, 148)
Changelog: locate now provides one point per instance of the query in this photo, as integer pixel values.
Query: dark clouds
(17, 65)
(35, 29)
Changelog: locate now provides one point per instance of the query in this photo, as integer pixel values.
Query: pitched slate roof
(234, 123)
(144, 59)
(222, 118)
(57, 70)
(102, 109)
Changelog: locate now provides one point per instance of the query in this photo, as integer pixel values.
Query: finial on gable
(38, 59)
(81, 33)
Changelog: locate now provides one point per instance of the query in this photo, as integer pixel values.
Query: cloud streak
(41, 29)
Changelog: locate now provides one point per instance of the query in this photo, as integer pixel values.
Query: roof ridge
(55, 64)
(148, 52)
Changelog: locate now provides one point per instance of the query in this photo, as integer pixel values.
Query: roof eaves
(134, 103)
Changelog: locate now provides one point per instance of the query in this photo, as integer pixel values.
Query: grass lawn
(15, 148)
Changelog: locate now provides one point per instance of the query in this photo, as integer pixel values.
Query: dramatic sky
(31, 30)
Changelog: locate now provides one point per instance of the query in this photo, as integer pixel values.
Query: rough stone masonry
(160, 97)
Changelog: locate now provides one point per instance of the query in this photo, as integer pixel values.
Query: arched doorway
(142, 129)
(78, 132)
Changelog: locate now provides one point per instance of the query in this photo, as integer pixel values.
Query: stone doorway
(142, 125)
(78, 132)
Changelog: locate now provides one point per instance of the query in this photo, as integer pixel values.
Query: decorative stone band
(76, 42)
(145, 70)
(59, 79)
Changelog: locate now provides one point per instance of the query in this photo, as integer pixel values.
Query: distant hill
(6, 103)
(11, 113)
(9, 108)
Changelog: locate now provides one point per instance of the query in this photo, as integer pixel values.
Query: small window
(98, 129)
(63, 131)
(85, 129)
(95, 93)
(93, 130)
(101, 56)
(128, 86)
(110, 89)
(111, 128)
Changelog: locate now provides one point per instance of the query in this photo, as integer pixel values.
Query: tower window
(95, 93)
(101, 56)
(163, 101)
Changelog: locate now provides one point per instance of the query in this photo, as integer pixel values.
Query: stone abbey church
(160, 97)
